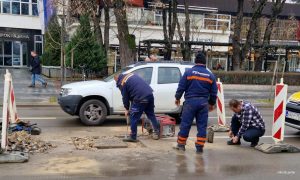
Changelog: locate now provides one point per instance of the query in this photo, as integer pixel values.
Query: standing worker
(200, 88)
(137, 95)
(36, 70)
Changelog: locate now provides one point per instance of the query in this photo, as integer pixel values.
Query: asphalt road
(156, 160)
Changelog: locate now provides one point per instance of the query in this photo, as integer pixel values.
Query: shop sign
(14, 35)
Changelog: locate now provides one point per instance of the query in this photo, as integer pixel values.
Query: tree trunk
(184, 43)
(187, 55)
(170, 31)
(126, 41)
(106, 28)
(250, 35)
(237, 36)
(97, 28)
(276, 10)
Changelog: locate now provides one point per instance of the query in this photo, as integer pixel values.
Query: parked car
(293, 111)
(93, 101)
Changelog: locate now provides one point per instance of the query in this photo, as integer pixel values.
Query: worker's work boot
(199, 149)
(230, 142)
(179, 147)
(155, 136)
(130, 139)
(253, 144)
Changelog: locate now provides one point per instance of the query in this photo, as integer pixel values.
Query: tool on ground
(210, 135)
(127, 124)
(25, 126)
(167, 126)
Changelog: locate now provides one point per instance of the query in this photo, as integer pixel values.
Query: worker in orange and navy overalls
(200, 88)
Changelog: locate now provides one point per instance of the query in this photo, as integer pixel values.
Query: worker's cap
(200, 58)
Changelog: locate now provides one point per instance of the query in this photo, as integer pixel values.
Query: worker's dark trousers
(252, 134)
(194, 107)
(136, 111)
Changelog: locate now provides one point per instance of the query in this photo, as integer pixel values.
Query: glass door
(7, 45)
(17, 54)
(1, 53)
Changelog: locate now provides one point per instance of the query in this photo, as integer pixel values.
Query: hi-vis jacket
(198, 82)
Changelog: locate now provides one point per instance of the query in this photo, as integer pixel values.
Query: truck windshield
(111, 77)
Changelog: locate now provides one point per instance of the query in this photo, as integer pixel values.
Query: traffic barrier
(279, 112)
(9, 115)
(5, 110)
(221, 105)
(9, 111)
(278, 124)
(221, 126)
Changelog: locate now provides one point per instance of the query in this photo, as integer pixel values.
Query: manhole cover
(96, 142)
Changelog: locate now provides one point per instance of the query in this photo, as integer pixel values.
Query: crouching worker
(246, 122)
(137, 99)
(200, 88)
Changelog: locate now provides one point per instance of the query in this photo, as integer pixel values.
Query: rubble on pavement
(22, 141)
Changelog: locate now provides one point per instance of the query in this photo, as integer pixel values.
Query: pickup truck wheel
(93, 112)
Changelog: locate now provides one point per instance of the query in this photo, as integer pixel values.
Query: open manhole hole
(102, 142)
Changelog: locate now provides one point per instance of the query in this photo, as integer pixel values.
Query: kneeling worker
(137, 92)
(246, 122)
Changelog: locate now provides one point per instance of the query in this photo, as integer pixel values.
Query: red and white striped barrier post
(279, 112)
(5, 110)
(278, 124)
(221, 104)
(12, 104)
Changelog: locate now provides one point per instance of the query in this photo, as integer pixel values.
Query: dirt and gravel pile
(22, 141)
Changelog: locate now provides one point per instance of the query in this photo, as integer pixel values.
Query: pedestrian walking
(200, 88)
(36, 70)
(137, 99)
(246, 122)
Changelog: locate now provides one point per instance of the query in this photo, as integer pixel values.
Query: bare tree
(169, 26)
(257, 7)
(236, 44)
(276, 10)
(126, 40)
(184, 42)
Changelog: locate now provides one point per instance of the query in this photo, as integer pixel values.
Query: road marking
(226, 137)
(37, 118)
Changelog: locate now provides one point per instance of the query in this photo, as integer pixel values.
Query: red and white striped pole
(12, 104)
(221, 104)
(279, 111)
(5, 110)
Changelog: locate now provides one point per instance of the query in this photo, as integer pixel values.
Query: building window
(19, 7)
(15, 7)
(6, 7)
(38, 44)
(217, 22)
(35, 10)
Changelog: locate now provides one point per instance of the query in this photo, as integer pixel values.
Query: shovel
(127, 124)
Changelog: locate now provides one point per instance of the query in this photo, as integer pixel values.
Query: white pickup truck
(93, 101)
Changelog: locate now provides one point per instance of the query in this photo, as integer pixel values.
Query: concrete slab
(277, 148)
(109, 143)
(14, 157)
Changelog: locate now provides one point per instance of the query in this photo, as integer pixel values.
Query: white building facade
(20, 31)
